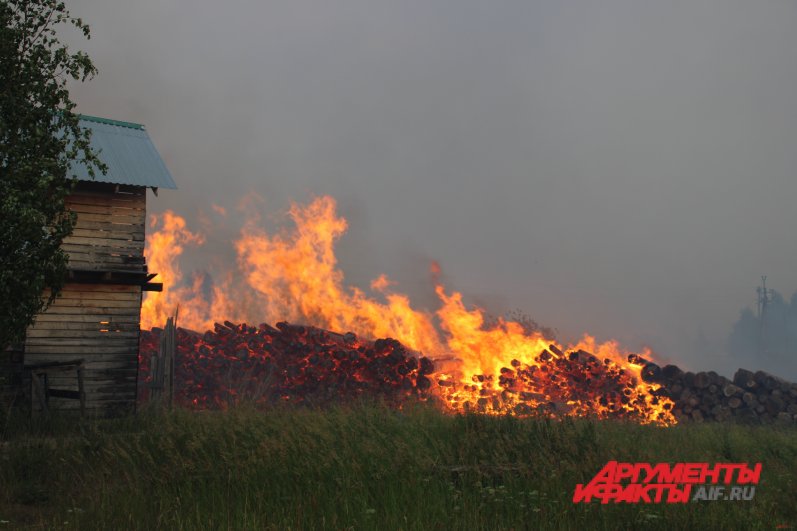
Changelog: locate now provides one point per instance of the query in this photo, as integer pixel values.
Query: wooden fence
(162, 365)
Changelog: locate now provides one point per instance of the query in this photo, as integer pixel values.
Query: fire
(163, 249)
(293, 275)
(297, 278)
(290, 363)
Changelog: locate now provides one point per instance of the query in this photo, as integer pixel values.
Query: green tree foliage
(39, 137)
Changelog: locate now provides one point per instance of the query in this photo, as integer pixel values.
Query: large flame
(294, 275)
(163, 249)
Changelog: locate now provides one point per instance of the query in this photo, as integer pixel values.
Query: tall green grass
(367, 467)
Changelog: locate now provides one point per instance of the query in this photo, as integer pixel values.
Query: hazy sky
(625, 168)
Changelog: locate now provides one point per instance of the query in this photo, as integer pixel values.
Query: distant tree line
(770, 338)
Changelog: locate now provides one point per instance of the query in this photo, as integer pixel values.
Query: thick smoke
(619, 168)
(767, 340)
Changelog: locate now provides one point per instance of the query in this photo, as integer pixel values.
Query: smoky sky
(624, 168)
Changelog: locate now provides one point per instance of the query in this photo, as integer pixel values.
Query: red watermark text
(670, 483)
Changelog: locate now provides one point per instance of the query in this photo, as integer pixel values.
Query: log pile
(306, 365)
(289, 363)
(557, 384)
(750, 397)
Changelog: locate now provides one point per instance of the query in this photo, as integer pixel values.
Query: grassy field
(366, 467)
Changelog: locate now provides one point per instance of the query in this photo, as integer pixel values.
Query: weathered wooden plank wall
(109, 234)
(100, 324)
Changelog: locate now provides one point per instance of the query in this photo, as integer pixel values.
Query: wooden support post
(162, 365)
(167, 360)
(40, 390)
(81, 390)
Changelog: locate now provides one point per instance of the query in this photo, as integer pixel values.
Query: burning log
(289, 363)
(307, 365)
(302, 364)
(651, 372)
(556, 383)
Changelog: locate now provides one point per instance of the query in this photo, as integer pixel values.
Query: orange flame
(163, 249)
(294, 276)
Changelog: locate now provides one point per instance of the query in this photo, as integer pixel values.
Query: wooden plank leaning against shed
(162, 365)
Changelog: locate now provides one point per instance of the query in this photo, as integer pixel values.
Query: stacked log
(558, 384)
(289, 363)
(750, 397)
(306, 365)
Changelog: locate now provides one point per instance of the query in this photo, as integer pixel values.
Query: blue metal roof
(127, 151)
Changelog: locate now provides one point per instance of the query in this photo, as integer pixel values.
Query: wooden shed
(92, 329)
